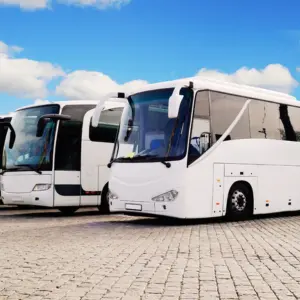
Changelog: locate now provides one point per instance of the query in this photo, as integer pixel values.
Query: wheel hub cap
(238, 200)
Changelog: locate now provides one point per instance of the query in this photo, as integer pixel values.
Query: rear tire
(68, 211)
(239, 202)
(104, 206)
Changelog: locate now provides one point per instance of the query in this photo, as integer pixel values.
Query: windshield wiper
(117, 159)
(166, 163)
(147, 156)
(30, 167)
(140, 158)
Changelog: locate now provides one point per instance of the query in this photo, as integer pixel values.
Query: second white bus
(55, 158)
(199, 148)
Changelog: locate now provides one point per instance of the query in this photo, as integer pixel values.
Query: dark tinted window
(68, 147)
(107, 129)
(289, 123)
(264, 120)
(274, 121)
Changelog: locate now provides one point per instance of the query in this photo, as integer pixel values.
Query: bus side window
(224, 110)
(107, 129)
(201, 127)
(289, 123)
(68, 147)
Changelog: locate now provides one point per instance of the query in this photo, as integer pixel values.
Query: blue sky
(151, 40)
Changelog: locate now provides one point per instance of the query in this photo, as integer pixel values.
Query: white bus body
(245, 157)
(61, 160)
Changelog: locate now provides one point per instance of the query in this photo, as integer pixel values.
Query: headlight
(168, 196)
(112, 196)
(42, 187)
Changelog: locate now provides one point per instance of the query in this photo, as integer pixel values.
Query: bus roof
(62, 103)
(201, 83)
(6, 116)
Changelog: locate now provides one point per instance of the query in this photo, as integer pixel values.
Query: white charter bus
(55, 158)
(199, 148)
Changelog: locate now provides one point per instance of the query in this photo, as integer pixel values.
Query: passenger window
(264, 120)
(108, 126)
(289, 123)
(200, 136)
(224, 110)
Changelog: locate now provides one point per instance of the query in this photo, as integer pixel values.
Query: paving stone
(45, 256)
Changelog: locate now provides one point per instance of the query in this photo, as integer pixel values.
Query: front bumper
(169, 209)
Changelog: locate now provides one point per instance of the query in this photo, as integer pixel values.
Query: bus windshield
(30, 152)
(147, 134)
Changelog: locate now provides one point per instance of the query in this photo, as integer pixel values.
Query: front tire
(239, 202)
(104, 206)
(68, 211)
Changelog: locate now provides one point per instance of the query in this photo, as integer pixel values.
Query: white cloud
(298, 69)
(24, 77)
(9, 50)
(274, 76)
(100, 4)
(26, 4)
(92, 85)
(43, 4)
(41, 101)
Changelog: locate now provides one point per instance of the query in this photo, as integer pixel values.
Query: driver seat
(156, 143)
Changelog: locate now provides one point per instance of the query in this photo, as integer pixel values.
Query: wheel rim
(238, 200)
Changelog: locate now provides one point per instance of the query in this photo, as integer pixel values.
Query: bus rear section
(51, 168)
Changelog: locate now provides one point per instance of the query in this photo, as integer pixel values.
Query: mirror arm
(119, 97)
(53, 117)
(176, 98)
(12, 134)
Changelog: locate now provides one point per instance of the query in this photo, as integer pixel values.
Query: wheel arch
(248, 184)
(104, 190)
(104, 205)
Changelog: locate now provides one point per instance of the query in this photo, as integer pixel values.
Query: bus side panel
(199, 191)
(94, 170)
(218, 190)
(278, 189)
(67, 188)
(95, 156)
(240, 173)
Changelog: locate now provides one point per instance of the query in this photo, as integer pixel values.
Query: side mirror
(43, 121)
(12, 137)
(121, 97)
(97, 112)
(174, 103)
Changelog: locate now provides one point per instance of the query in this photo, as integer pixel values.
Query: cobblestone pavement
(88, 256)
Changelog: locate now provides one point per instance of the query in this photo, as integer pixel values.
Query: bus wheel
(104, 206)
(240, 201)
(68, 210)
